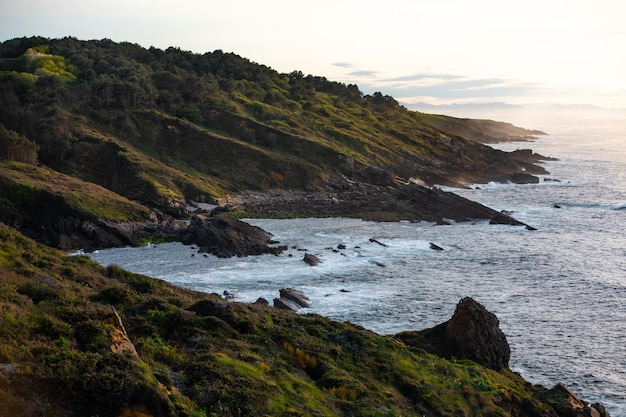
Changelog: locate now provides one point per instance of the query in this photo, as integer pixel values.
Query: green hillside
(165, 127)
(79, 339)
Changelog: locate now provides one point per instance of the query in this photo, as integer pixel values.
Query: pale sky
(433, 51)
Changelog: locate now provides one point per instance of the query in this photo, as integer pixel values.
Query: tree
(15, 147)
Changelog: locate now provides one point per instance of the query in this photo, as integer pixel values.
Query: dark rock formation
(504, 218)
(435, 247)
(291, 299)
(286, 304)
(298, 297)
(343, 197)
(567, 404)
(472, 333)
(224, 236)
(311, 259)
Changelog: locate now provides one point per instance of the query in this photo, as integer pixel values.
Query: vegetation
(81, 339)
(162, 127)
(96, 131)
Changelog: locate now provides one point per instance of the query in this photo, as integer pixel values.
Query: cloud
(426, 76)
(342, 64)
(444, 87)
(364, 73)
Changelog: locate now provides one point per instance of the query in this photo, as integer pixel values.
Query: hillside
(168, 128)
(79, 339)
(108, 144)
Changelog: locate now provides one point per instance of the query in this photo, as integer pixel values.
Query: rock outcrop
(225, 237)
(567, 404)
(345, 197)
(291, 299)
(472, 333)
(120, 342)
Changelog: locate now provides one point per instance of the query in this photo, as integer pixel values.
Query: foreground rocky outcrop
(224, 236)
(472, 333)
(291, 299)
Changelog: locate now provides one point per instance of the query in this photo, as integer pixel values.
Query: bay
(559, 291)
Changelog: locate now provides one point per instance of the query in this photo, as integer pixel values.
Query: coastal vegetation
(105, 144)
(82, 339)
(165, 127)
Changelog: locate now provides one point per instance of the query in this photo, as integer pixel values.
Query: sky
(439, 52)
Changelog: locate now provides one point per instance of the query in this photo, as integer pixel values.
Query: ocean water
(559, 292)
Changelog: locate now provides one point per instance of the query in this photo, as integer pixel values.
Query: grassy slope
(199, 355)
(26, 189)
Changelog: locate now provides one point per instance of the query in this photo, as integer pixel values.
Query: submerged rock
(311, 259)
(472, 333)
(434, 246)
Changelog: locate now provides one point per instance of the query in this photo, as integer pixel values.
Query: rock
(286, 304)
(291, 299)
(374, 262)
(262, 302)
(504, 218)
(120, 343)
(296, 296)
(567, 404)
(435, 247)
(311, 259)
(355, 197)
(224, 236)
(341, 246)
(472, 333)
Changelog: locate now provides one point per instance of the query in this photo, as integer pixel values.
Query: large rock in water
(472, 333)
(224, 236)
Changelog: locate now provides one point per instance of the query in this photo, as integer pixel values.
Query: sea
(559, 292)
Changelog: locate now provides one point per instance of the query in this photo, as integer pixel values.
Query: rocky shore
(344, 197)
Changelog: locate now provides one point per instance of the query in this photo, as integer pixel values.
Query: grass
(198, 354)
(24, 185)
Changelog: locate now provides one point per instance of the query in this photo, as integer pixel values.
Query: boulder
(286, 304)
(120, 342)
(296, 296)
(472, 333)
(567, 404)
(505, 218)
(225, 237)
(311, 259)
(291, 299)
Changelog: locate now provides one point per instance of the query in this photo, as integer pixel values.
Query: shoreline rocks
(291, 299)
(344, 197)
(225, 237)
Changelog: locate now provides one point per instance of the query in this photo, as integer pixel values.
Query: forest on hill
(164, 126)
